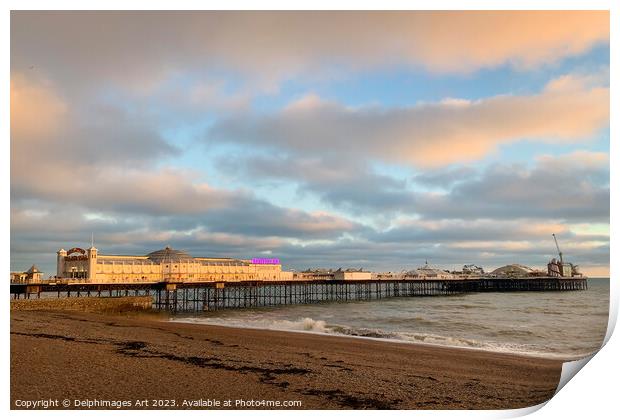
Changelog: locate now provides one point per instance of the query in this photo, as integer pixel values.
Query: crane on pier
(558, 247)
(559, 268)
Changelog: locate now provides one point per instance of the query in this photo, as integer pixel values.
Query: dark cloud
(345, 184)
(572, 187)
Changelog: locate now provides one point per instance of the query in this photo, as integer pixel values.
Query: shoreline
(535, 355)
(76, 355)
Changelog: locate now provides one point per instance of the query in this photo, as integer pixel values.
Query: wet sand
(77, 356)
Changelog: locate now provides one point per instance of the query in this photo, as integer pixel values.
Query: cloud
(45, 128)
(567, 187)
(572, 186)
(141, 48)
(446, 244)
(459, 231)
(493, 242)
(300, 239)
(345, 184)
(243, 227)
(173, 194)
(426, 135)
(444, 177)
(35, 108)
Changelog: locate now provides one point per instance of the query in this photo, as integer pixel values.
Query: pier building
(32, 275)
(166, 264)
(518, 270)
(426, 271)
(352, 274)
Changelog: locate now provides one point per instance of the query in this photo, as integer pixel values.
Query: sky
(326, 139)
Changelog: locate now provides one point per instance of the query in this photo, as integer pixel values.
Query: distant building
(472, 269)
(389, 275)
(163, 265)
(557, 268)
(315, 274)
(513, 270)
(428, 272)
(32, 275)
(352, 274)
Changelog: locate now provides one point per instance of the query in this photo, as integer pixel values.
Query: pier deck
(211, 296)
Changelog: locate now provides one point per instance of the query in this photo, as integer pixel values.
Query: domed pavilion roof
(514, 269)
(169, 254)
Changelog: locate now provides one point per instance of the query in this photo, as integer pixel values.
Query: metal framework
(213, 296)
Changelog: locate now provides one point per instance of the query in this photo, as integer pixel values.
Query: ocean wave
(440, 340)
(361, 332)
(403, 320)
(322, 327)
(302, 324)
(486, 345)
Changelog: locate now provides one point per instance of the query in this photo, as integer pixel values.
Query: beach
(78, 356)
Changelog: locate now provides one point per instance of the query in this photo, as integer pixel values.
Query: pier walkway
(211, 296)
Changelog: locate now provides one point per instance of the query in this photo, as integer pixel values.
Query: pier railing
(211, 296)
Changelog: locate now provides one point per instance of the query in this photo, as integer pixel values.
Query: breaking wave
(321, 327)
(302, 324)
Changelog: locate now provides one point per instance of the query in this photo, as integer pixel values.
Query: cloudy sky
(329, 139)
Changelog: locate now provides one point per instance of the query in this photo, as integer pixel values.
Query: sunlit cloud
(276, 45)
(427, 135)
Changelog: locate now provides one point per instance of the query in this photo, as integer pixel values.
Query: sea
(564, 325)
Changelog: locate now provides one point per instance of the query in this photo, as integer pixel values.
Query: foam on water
(302, 324)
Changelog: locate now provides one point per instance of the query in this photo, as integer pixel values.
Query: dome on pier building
(513, 269)
(168, 255)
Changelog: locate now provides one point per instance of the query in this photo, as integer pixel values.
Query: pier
(213, 296)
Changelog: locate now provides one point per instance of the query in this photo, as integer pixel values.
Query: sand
(107, 359)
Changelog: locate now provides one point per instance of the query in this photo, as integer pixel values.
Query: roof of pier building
(351, 270)
(519, 269)
(168, 254)
(318, 271)
(427, 270)
(34, 269)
